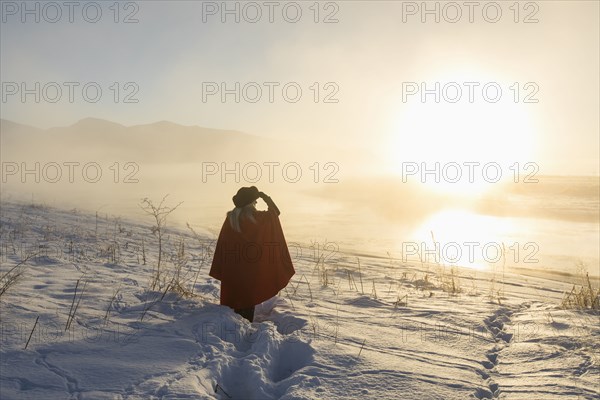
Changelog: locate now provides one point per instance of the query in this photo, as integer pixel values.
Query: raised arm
(270, 203)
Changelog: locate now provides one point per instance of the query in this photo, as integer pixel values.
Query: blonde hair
(247, 212)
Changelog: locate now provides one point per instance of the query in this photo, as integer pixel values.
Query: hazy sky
(367, 60)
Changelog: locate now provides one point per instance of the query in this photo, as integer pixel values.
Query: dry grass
(13, 275)
(160, 213)
(584, 297)
(451, 282)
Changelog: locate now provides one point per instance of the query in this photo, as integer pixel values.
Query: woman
(251, 258)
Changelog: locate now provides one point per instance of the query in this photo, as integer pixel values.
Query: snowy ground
(386, 331)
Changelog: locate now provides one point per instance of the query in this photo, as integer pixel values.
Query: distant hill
(159, 142)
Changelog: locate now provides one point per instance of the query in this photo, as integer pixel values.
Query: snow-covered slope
(384, 330)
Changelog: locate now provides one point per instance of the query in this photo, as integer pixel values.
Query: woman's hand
(269, 202)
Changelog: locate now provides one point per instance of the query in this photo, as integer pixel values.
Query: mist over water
(382, 221)
(550, 225)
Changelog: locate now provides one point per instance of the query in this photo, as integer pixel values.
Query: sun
(463, 144)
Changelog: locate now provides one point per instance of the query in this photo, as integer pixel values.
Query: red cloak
(253, 265)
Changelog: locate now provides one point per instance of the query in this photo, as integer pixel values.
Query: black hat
(245, 196)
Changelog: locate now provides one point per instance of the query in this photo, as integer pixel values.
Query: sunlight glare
(462, 238)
